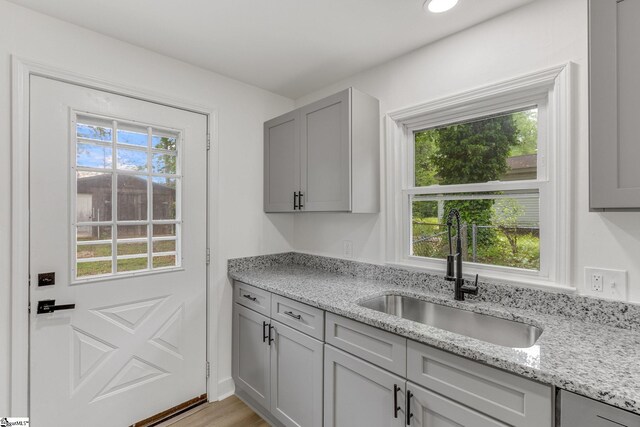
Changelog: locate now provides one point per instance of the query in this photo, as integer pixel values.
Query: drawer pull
(295, 316)
(408, 408)
(396, 408)
(254, 299)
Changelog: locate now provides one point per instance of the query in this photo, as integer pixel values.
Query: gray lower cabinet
(364, 377)
(507, 398)
(277, 369)
(429, 409)
(359, 394)
(579, 411)
(296, 377)
(251, 361)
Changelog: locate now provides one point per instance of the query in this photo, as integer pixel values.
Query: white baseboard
(226, 388)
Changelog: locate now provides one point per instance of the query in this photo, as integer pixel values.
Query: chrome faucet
(460, 287)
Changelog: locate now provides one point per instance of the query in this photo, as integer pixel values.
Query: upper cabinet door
(326, 154)
(281, 162)
(614, 101)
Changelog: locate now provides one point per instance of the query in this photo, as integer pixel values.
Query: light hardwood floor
(230, 412)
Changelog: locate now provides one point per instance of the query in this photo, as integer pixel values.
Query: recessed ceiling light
(439, 6)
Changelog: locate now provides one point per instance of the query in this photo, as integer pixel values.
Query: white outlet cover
(614, 283)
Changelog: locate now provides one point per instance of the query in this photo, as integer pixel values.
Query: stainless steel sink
(484, 327)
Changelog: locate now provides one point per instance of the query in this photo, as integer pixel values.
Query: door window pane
(164, 261)
(140, 138)
(164, 163)
(132, 198)
(164, 246)
(132, 231)
(93, 198)
(132, 248)
(93, 268)
(132, 264)
(164, 142)
(87, 233)
(164, 198)
(161, 230)
(94, 251)
(94, 156)
(132, 160)
(95, 132)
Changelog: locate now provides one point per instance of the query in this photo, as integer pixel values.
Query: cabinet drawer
(506, 397)
(579, 411)
(374, 345)
(302, 317)
(252, 297)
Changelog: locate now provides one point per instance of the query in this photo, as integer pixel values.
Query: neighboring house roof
(522, 162)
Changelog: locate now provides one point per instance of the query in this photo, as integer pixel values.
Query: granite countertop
(591, 359)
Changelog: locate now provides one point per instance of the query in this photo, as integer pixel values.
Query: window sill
(498, 277)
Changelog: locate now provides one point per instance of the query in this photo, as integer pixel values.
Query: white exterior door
(118, 213)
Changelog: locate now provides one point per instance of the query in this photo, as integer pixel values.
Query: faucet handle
(471, 289)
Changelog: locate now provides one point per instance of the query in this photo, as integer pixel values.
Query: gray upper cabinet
(324, 157)
(281, 162)
(614, 101)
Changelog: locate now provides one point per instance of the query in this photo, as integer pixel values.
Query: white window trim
(552, 88)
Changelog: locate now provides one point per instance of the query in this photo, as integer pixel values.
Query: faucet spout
(460, 287)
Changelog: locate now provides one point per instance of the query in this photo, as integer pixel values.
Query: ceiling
(290, 47)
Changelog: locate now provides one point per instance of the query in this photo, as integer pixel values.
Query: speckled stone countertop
(595, 360)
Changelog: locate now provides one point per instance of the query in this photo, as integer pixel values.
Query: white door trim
(21, 70)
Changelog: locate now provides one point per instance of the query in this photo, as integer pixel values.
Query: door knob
(49, 306)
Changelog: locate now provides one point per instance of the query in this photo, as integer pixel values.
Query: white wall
(243, 228)
(543, 34)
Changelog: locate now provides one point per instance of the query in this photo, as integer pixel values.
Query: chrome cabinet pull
(295, 316)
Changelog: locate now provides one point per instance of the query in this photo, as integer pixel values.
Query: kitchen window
(498, 154)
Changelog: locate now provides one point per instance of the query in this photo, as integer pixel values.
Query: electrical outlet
(347, 248)
(605, 283)
(596, 282)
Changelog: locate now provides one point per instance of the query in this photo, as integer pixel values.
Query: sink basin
(484, 327)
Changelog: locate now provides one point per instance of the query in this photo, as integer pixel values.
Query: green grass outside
(500, 252)
(133, 264)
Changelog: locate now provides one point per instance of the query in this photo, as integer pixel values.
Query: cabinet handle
(409, 413)
(254, 299)
(295, 200)
(300, 196)
(396, 408)
(264, 333)
(270, 339)
(295, 316)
